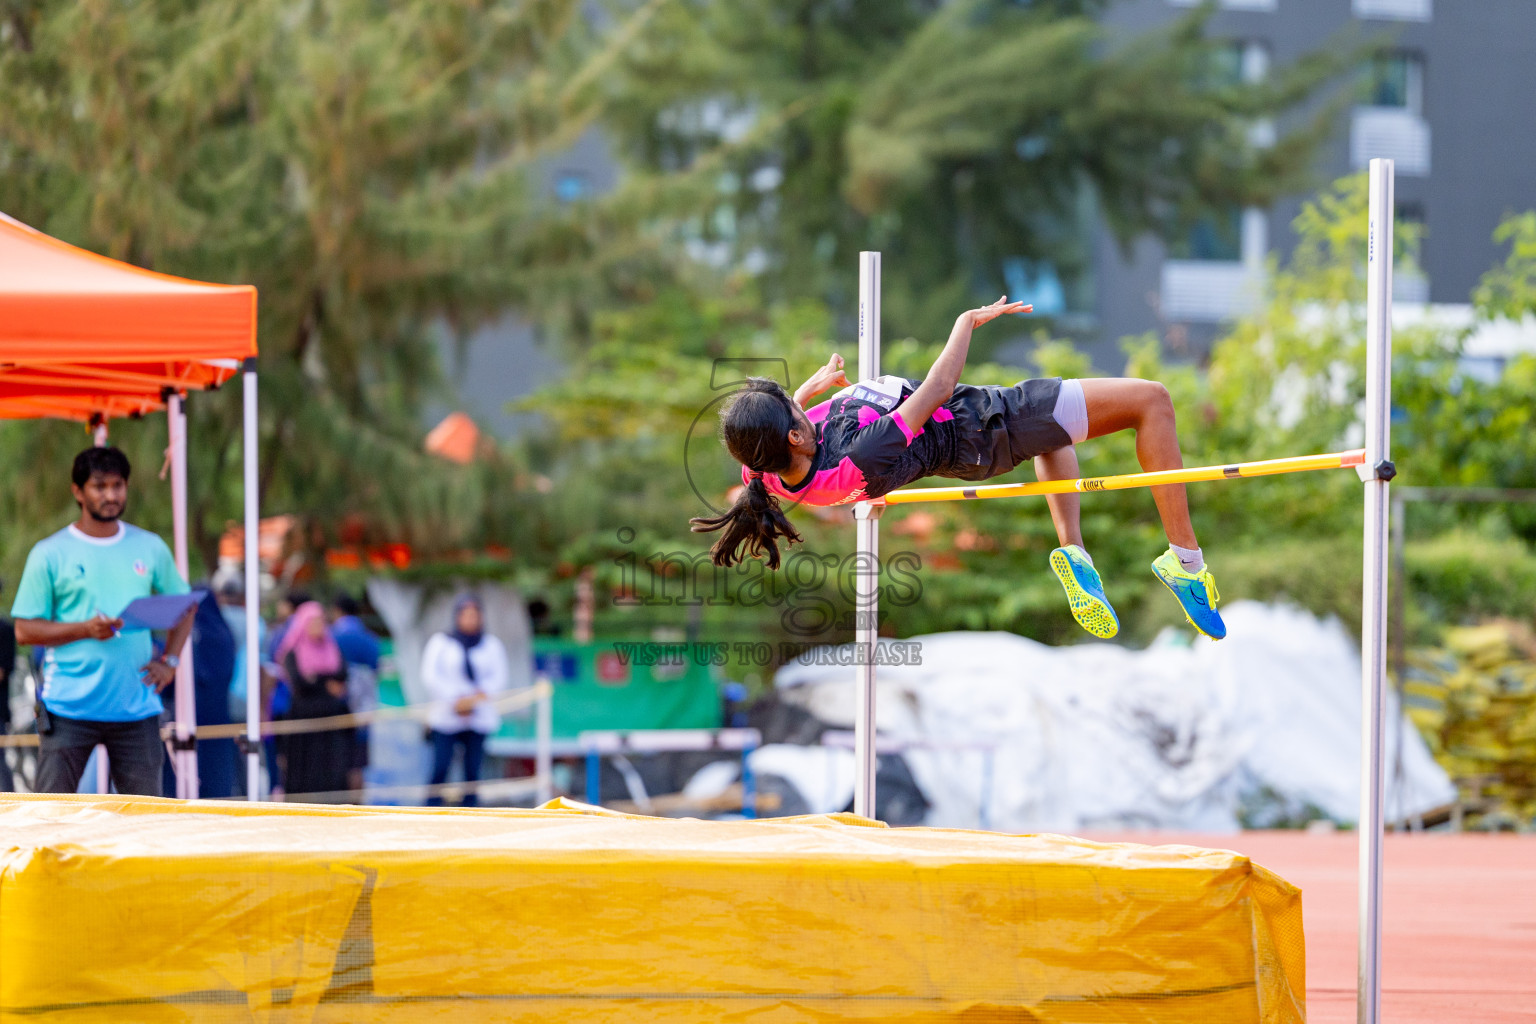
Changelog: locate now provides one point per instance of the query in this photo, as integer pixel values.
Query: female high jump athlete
(876, 436)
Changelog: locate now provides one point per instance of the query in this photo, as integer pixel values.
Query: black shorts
(999, 427)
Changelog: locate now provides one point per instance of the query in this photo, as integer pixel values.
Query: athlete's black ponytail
(755, 426)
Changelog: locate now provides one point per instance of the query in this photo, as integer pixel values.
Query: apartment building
(1448, 95)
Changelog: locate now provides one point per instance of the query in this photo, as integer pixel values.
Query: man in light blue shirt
(101, 683)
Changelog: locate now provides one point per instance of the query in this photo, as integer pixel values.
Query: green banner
(605, 686)
(622, 686)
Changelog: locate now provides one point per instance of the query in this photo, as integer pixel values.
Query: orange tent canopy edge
(83, 335)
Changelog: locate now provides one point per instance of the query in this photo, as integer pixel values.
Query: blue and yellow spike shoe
(1196, 593)
(1085, 591)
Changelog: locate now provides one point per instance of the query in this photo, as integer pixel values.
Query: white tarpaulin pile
(1263, 726)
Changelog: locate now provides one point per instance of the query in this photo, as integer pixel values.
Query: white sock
(1190, 558)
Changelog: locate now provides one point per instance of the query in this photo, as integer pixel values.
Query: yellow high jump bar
(1269, 467)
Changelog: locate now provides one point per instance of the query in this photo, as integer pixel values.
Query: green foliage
(953, 136)
(1465, 574)
(651, 370)
(1510, 290)
(1266, 808)
(375, 170)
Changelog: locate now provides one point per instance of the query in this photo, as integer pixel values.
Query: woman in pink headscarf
(310, 661)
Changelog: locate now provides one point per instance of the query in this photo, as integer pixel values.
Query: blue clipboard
(161, 611)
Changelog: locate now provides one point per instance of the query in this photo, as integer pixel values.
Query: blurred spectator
(100, 684)
(230, 591)
(358, 644)
(463, 671)
(312, 665)
(7, 671)
(213, 650)
(360, 650)
(282, 617)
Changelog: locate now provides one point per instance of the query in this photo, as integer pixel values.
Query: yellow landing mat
(140, 909)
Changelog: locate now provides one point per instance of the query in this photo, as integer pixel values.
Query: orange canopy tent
(86, 337)
(82, 335)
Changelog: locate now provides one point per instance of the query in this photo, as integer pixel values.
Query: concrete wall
(1480, 105)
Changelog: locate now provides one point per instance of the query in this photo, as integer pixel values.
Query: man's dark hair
(106, 461)
(346, 603)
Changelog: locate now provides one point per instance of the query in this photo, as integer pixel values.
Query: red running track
(1459, 915)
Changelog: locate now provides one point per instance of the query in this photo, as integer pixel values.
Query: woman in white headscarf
(463, 669)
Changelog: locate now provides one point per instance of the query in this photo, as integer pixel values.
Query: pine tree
(373, 168)
(952, 136)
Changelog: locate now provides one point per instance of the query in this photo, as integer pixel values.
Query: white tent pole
(252, 593)
(185, 747)
(866, 609)
(103, 767)
(543, 742)
(1376, 472)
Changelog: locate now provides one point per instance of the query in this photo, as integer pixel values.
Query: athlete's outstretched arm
(940, 383)
(829, 376)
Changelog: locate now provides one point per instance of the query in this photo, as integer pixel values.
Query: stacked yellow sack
(1474, 701)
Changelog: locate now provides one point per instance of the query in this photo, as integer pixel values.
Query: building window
(1394, 79)
(1235, 62)
(1215, 236)
(1226, 70)
(1255, 61)
(1389, 120)
(1239, 62)
(1035, 282)
(1216, 272)
(1395, 10)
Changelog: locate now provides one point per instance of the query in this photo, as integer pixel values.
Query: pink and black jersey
(864, 448)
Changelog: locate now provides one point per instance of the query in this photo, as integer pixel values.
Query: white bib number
(881, 392)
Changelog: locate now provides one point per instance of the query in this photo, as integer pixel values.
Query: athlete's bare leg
(1066, 509)
(1125, 403)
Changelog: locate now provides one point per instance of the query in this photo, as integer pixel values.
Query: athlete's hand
(997, 309)
(831, 375)
(828, 376)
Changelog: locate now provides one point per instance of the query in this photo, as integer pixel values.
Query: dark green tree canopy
(373, 168)
(952, 136)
